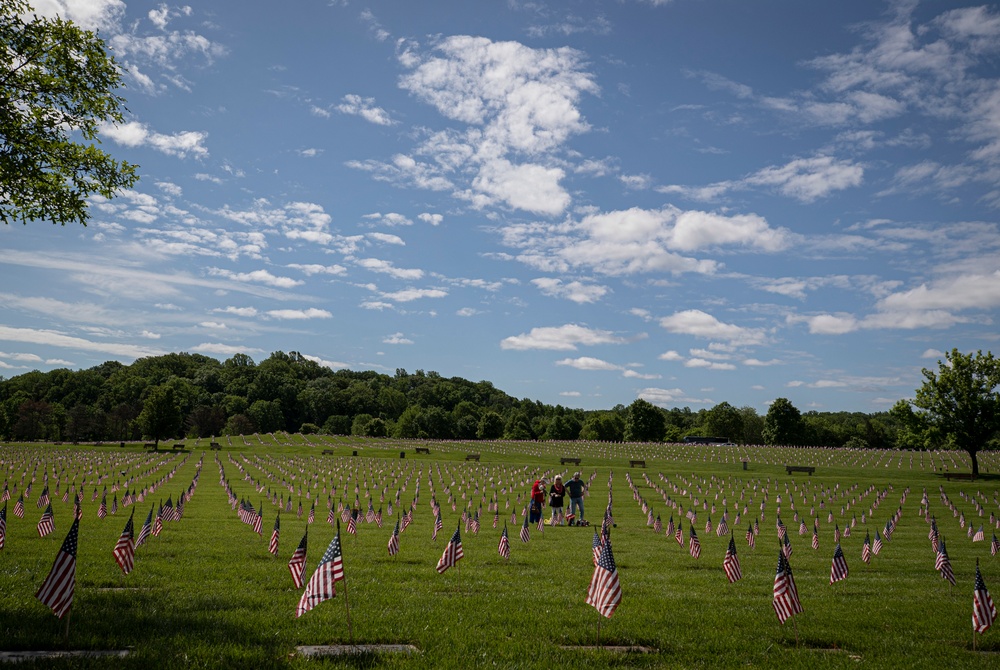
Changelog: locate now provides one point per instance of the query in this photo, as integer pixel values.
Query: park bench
(216, 446)
(959, 475)
(423, 450)
(800, 468)
(472, 457)
(574, 461)
(179, 447)
(637, 463)
(330, 452)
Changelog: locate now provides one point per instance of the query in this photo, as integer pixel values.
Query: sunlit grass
(207, 593)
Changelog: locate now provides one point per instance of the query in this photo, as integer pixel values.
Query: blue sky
(582, 202)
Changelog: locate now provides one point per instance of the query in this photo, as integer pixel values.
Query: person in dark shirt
(576, 488)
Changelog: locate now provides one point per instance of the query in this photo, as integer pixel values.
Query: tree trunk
(975, 463)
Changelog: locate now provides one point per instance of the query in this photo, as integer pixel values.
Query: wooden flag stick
(66, 634)
(598, 628)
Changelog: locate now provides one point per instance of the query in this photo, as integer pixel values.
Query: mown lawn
(206, 592)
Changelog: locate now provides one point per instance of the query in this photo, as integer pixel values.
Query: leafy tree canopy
(57, 87)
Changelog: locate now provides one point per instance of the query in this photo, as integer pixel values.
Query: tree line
(182, 394)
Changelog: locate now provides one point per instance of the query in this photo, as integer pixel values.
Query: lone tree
(644, 422)
(962, 400)
(57, 84)
(160, 417)
(783, 423)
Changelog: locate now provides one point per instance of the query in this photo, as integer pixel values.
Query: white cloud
(668, 397)
(933, 353)
(386, 267)
(247, 312)
(468, 311)
(316, 269)
(299, 314)
(256, 276)
(588, 363)
(575, 291)
(56, 339)
(560, 338)
(396, 338)
(670, 356)
(410, 294)
(701, 324)
(804, 179)
(355, 105)
(388, 219)
(333, 365)
(638, 241)
(135, 134)
(530, 187)
(88, 14)
(433, 219)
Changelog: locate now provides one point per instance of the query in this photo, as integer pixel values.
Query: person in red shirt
(556, 495)
(537, 500)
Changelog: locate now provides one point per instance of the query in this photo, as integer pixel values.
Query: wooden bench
(422, 450)
(216, 446)
(637, 463)
(564, 461)
(179, 447)
(327, 451)
(472, 457)
(967, 476)
(800, 468)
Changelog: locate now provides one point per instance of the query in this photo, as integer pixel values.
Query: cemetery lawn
(206, 593)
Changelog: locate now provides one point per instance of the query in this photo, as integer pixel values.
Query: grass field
(206, 592)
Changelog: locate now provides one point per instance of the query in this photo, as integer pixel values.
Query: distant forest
(181, 394)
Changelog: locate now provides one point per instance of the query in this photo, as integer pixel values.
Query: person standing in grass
(556, 496)
(576, 487)
(537, 500)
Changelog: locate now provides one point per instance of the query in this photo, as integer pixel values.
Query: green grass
(206, 593)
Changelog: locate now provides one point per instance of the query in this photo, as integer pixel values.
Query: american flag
(866, 549)
(679, 533)
(838, 569)
(452, 553)
(19, 507)
(5, 496)
(943, 564)
(370, 514)
(297, 563)
(980, 535)
(45, 524)
(273, 545)
(994, 545)
(525, 533)
(124, 551)
(983, 609)
(723, 527)
(694, 545)
(836, 532)
(504, 547)
(657, 524)
(731, 563)
(782, 531)
(322, 585)
(258, 520)
(787, 548)
(352, 522)
(102, 511)
(406, 520)
(56, 592)
(43, 499)
(605, 592)
(877, 544)
(114, 504)
(158, 522)
(312, 513)
(669, 532)
(394, 540)
(146, 530)
(815, 540)
(3, 524)
(438, 525)
(786, 596)
(751, 538)
(378, 517)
